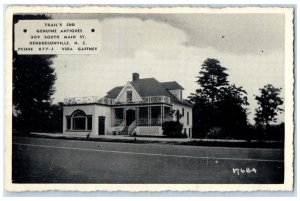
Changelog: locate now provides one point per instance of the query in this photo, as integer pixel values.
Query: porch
(126, 119)
(141, 115)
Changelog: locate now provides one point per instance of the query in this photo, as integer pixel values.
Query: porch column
(149, 116)
(124, 114)
(113, 117)
(161, 115)
(137, 115)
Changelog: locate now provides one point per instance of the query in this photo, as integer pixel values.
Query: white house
(140, 106)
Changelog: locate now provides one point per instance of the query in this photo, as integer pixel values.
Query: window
(180, 94)
(79, 121)
(143, 116)
(89, 122)
(68, 123)
(187, 118)
(129, 96)
(182, 112)
(118, 119)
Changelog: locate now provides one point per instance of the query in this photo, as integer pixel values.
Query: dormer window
(129, 96)
(177, 93)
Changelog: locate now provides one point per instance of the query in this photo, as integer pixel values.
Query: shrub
(172, 129)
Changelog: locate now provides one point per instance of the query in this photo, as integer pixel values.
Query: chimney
(135, 77)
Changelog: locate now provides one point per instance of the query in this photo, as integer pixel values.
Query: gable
(144, 88)
(122, 97)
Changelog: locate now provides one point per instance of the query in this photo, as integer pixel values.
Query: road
(41, 160)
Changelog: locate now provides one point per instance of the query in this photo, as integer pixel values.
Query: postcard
(149, 98)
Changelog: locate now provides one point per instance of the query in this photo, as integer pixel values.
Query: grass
(192, 142)
(244, 144)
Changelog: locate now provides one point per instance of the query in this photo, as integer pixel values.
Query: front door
(130, 116)
(101, 125)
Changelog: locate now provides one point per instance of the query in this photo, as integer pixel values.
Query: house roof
(172, 85)
(186, 102)
(113, 93)
(150, 87)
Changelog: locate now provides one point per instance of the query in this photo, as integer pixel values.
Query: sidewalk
(162, 140)
(113, 137)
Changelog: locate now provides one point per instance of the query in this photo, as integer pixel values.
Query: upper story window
(182, 112)
(177, 93)
(129, 96)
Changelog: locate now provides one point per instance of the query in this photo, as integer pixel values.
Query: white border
(287, 186)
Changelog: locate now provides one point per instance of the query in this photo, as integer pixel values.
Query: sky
(172, 47)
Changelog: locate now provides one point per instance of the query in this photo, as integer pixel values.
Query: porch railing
(131, 127)
(152, 122)
(155, 122)
(108, 101)
(80, 100)
(117, 122)
(143, 122)
(167, 119)
(120, 123)
(88, 99)
(156, 99)
(120, 126)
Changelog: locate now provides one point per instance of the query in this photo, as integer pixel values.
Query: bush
(172, 129)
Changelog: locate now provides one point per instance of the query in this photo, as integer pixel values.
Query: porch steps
(124, 131)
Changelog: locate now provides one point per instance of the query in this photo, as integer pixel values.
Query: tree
(232, 111)
(54, 121)
(216, 102)
(212, 77)
(203, 118)
(269, 103)
(33, 86)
